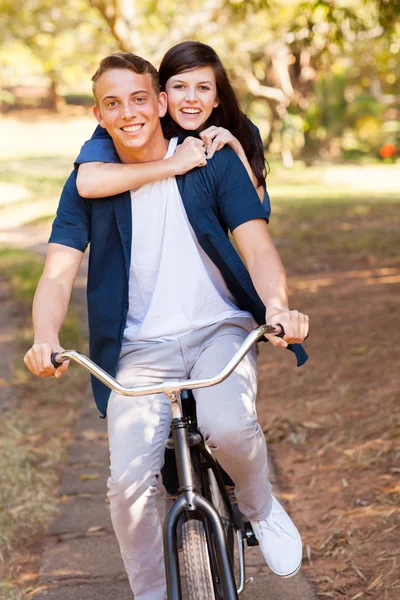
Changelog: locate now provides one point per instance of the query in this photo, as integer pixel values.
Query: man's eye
(111, 104)
(140, 100)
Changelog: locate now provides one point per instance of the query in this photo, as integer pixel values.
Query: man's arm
(268, 276)
(50, 307)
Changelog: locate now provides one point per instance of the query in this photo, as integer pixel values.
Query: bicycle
(211, 519)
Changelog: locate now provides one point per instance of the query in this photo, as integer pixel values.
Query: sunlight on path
(12, 192)
(44, 136)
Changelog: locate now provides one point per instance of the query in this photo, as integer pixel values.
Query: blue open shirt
(217, 198)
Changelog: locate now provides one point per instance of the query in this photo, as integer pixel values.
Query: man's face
(129, 109)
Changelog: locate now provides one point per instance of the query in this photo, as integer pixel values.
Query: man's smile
(132, 128)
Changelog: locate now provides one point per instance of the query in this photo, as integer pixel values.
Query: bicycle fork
(190, 500)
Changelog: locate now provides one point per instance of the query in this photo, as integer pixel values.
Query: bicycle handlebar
(172, 384)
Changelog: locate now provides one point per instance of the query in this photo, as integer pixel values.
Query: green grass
(42, 178)
(23, 270)
(309, 235)
(36, 434)
(8, 591)
(30, 189)
(324, 215)
(46, 135)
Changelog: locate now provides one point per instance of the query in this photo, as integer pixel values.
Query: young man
(168, 297)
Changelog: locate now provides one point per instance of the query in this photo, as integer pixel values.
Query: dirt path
(333, 427)
(333, 430)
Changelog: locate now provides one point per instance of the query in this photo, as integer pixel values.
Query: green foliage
(55, 35)
(79, 99)
(324, 63)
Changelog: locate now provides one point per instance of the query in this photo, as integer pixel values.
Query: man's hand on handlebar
(293, 325)
(38, 360)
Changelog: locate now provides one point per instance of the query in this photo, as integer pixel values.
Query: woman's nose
(191, 95)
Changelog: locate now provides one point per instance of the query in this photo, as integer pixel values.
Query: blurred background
(320, 78)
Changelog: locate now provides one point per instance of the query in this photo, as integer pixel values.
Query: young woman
(200, 100)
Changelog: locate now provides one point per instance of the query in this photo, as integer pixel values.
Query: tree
(56, 35)
(295, 64)
(275, 51)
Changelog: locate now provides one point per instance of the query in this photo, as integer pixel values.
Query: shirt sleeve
(71, 226)
(100, 148)
(237, 199)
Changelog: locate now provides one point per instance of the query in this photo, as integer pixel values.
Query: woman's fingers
(217, 144)
(208, 135)
(215, 138)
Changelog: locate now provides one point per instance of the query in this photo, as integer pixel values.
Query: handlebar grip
(54, 360)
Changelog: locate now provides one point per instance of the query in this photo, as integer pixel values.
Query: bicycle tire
(197, 577)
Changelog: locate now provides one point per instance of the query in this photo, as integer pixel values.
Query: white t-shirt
(174, 287)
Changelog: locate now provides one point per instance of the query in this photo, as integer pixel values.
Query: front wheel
(197, 578)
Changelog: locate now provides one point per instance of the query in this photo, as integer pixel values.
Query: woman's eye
(204, 88)
(178, 86)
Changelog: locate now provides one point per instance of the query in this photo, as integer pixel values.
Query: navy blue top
(217, 198)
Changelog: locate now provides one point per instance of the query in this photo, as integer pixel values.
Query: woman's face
(192, 96)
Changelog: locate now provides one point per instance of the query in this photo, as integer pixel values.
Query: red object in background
(387, 151)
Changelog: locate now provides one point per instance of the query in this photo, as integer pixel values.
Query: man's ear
(98, 116)
(162, 104)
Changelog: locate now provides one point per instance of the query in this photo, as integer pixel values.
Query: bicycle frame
(190, 500)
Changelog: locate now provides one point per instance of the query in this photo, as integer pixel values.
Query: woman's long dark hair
(194, 55)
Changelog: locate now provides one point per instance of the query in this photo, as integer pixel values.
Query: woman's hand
(215, 138)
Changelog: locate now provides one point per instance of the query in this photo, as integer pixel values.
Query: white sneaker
(279, 540)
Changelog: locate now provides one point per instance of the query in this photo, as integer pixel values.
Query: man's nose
(128, 111)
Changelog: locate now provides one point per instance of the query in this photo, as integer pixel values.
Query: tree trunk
(56, 102)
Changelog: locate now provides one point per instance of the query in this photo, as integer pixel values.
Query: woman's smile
(192, 96)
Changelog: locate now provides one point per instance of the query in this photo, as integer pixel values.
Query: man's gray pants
(139, 426)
